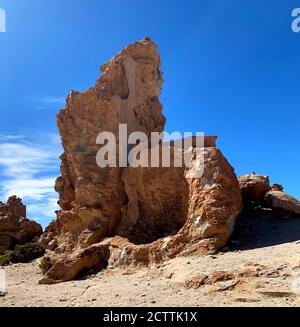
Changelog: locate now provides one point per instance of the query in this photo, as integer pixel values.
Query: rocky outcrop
(14, 226)
(265, 200)
(278, 200)
(69, 267)
(254, 187)
(92, 198)
(140, 215)
(166, 216)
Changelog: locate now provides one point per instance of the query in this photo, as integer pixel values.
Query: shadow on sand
(251, 233)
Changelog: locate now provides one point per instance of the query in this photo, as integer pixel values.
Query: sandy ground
(258, 269)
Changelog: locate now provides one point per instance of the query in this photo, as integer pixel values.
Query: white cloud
(25, 159)
(49, 101)
(7, 137)
(46, 209)
(28, 169)
(29, 188)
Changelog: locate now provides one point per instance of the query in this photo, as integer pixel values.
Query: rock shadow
(252, 232)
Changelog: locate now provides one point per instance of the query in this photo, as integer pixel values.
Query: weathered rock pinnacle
(128, 215)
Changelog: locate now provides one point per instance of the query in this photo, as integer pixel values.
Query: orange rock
(254, 187)
(154, 213)
(92, 198)
(14, 226)
(281, 201)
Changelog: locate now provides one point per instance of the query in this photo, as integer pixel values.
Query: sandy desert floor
(260, 268)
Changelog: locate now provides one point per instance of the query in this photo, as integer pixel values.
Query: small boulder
(277, 187)
(254, 187)
(281, 201)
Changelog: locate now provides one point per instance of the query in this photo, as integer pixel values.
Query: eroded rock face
(140, 215)
(14, 226)
(91, 198)
(167, 215)
(254, 187)
(205, 207)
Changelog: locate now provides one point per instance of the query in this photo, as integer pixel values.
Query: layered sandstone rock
(137, 215)
(14, 226)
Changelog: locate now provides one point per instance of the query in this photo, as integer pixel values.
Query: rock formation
(91, 198)
(14, 226)
(279, 200)
(254, 187)
(131, 215)
(265, 200)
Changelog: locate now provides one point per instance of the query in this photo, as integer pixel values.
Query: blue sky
(231, 68)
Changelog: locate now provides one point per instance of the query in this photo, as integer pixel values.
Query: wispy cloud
(8, 137)
(29, 188)
(28, 169)
(47, 101)
(25, 160)
(43, 210)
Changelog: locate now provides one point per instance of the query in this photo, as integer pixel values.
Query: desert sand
(259, 268)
